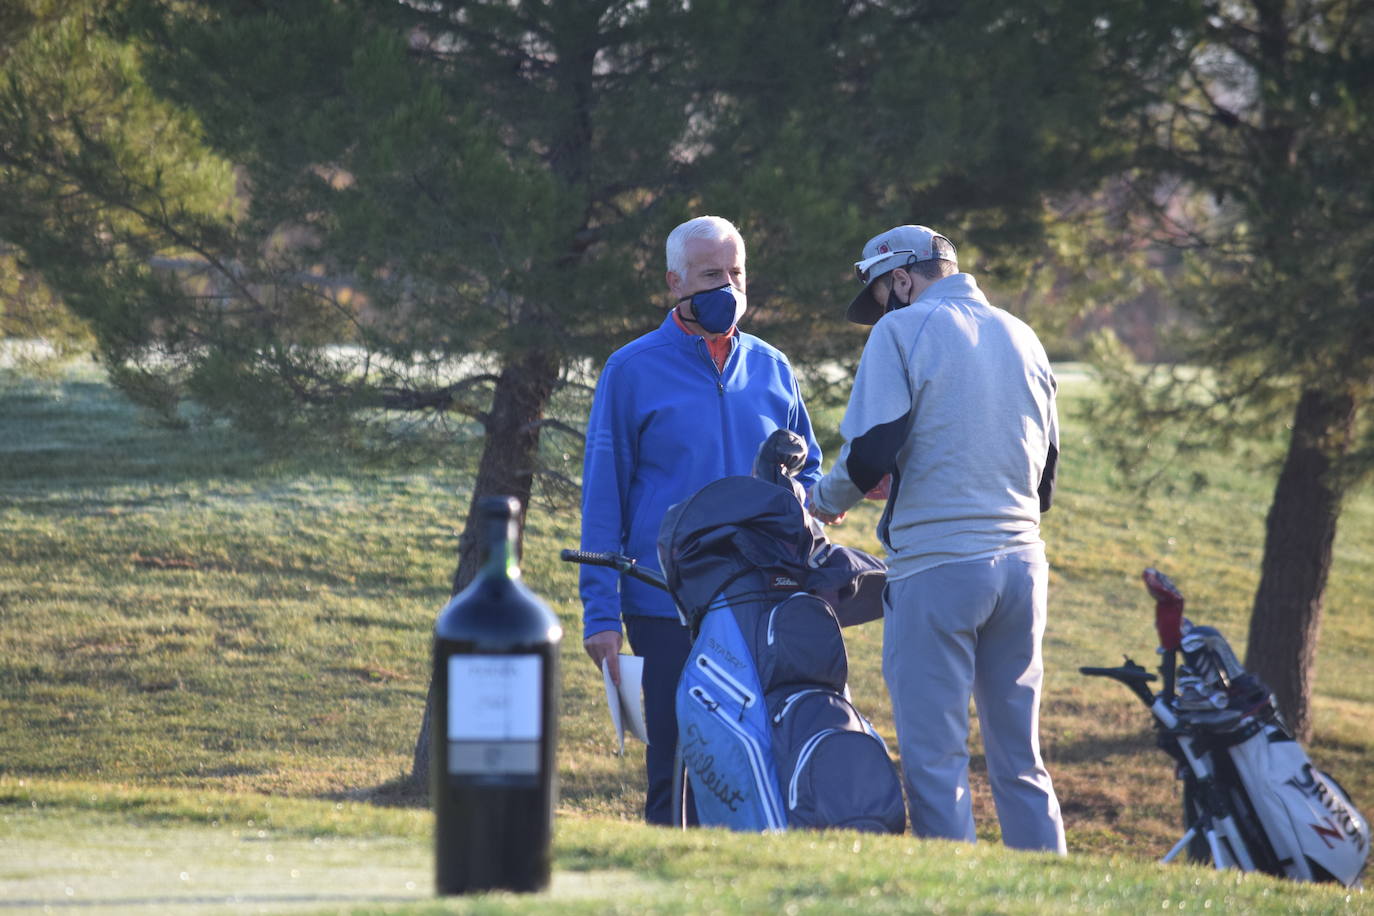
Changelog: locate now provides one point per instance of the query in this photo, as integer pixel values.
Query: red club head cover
(1168, 608)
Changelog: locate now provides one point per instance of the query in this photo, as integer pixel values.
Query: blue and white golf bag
(767, 736)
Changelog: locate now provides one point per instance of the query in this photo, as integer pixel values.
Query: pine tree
(439, 215)
(1251, 164)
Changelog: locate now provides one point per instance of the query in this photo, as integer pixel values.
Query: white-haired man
(955, 399)
(674, 410)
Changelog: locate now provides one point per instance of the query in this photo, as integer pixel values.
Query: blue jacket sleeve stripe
(605, 469)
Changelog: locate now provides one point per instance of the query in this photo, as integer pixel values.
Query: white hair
(714, 228)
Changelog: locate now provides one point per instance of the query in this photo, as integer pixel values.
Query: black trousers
(663, 643)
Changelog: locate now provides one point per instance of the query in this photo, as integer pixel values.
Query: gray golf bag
(1252, 799)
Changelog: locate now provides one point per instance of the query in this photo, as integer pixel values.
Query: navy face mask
(716, 310)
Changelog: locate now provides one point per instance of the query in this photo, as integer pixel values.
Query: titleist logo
(698, 758)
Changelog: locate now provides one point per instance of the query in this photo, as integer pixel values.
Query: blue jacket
(664, 423)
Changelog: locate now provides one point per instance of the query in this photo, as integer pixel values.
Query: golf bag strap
(1223, 740)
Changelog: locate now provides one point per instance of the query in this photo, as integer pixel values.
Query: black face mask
(892, 298)
(716, 310)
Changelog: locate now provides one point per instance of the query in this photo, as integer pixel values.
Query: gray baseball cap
(899, 246)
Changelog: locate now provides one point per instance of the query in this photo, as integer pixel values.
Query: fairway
(67, 849)
(103, 861)
(100, 863)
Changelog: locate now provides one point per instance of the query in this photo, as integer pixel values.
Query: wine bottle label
(494, 715)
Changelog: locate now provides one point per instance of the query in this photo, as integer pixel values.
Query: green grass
(183, 615)
(110, 850)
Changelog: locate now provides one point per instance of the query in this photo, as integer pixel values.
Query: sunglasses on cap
(863, 268)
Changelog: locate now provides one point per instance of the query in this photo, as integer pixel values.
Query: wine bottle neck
(498, 549)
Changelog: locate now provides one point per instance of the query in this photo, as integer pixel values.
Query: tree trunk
(1299, 535)
(509, 458)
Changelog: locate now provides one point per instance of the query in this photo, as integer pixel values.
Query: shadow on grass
(57, 433)
(401, 792)
(81, 430)
(602, 792)
(606, 792)
(1099, 748)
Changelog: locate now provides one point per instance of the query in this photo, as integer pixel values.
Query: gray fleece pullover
(956, 399)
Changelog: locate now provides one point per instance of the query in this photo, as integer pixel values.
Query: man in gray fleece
(955, 399)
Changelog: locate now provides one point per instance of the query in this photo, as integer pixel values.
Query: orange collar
(718, 348)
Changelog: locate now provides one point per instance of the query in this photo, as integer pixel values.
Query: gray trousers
(972, 627)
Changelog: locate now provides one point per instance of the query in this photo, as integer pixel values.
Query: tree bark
(507, 468)
(1300, 532)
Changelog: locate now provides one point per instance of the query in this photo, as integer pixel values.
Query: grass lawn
(190, 625)
(95, 848)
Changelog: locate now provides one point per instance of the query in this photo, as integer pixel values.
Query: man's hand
(883, 490)
(825, 517)
(605, 645)
(828, 518)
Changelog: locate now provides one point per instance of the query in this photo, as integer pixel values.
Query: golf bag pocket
(1314, 829)
(801, 644)
(724, 739)
(834, 768)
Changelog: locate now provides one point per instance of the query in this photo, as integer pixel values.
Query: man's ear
(674, 283)
(892, 278)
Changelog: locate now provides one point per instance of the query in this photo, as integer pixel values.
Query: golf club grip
(587, 558)
(617, 561)
(1132, 678)
(1120, 674)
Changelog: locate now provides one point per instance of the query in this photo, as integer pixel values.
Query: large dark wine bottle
(494, 723)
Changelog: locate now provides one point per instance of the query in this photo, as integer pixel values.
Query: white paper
(626, 701)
